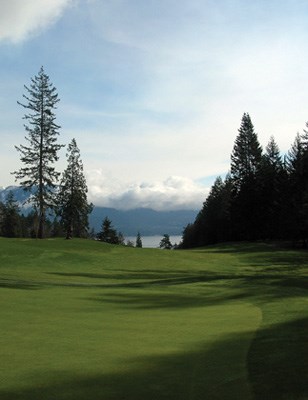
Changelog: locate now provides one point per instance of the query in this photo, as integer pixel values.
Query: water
(153, 241)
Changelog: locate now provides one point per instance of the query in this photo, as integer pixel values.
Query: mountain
(20, 195)
(144, 220)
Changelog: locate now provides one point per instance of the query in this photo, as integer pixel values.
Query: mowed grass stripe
(87, 320)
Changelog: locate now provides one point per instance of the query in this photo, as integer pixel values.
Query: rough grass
(84, 320)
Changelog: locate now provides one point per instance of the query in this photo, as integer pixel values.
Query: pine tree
(271, 187)
(294, 157)
(72, 205)
(2, 214)
(190, 236)
(245, 165)
(165, 242)
(212, 223)
(41, 152)
(246, 154)
(11, 223)
(121, 239)
(108, 234)
(297, 167)
(138, 240)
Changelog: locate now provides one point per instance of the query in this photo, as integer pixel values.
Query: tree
(72, 205)
(30, 224)
(41, 152)
(121, 239)
(246, 154)
(11, 223)
(297, 167)
(190, 236)
(56, 228)
(264, 197)
(2, 214)
(245, 165)
(165, 242)
(272, 192)
(108, 234)
(138, 240)
(213, 221)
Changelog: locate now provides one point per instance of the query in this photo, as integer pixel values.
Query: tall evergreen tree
(271, 186)
(294, 157)
(138, 240)
(245, 165)
(212, 223)
(108, 234)
(165, 242)
(246, 154)
(11, 223)
(265, 197)
(41, 152)
(190, 236)
(297, 166)
(2, 214)
(207, 221)
(73, 207)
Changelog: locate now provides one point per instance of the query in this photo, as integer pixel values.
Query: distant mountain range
(144, 220)
(20, 195)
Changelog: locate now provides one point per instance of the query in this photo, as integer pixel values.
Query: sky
(154, 91)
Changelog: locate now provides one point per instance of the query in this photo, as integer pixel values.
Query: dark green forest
(263, 197)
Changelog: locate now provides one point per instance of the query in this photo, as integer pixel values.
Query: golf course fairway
(84, 320)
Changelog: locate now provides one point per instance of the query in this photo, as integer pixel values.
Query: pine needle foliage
(38, 156)
(73, 207)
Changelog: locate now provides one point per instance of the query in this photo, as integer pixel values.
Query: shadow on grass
(238, 248)
(275, 367)
(201, 374)
(246, 283)
(278, 362)
(211, 296)
(16, 284)
(171, 301)
(262, 255)
(284, 262)
(143, 278)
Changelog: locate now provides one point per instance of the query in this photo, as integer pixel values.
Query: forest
(263, 197)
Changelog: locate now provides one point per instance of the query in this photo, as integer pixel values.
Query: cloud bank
(174, 193)
(20, 19)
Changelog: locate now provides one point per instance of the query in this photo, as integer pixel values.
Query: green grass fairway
(82, 320)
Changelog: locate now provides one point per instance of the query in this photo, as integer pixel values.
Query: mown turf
(84, 320)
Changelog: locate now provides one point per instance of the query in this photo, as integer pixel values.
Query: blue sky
(154, 91)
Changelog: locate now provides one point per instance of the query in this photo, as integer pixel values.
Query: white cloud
(174, 193)
(20, 19)
(152, 89)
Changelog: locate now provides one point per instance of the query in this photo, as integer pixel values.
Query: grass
(84, 320)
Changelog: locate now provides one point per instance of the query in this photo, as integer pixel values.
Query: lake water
(153, 241)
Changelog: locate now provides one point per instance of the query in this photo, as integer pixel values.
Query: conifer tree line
(66, 201)
(263, 197)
